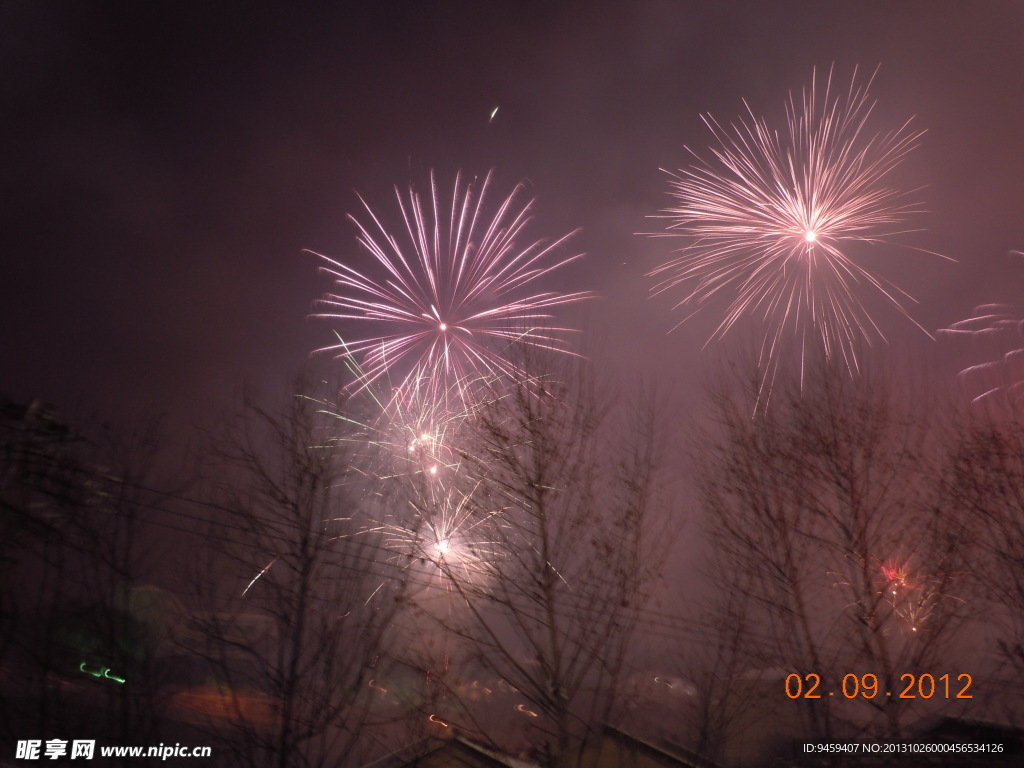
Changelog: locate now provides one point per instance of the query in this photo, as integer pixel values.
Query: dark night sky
(166, 164)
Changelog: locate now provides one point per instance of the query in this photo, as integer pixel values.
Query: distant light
(444, 326)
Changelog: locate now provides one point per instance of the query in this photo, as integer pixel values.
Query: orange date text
(910, 686)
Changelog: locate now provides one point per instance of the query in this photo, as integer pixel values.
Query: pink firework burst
(453, 292)
(912, 594)
(771, 217)
(896, 576)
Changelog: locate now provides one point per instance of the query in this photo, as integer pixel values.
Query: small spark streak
(522, 708)
(265, 569)
(435, 719)
(493, 113)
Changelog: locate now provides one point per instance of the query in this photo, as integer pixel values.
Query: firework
(446, 531)
(393, 432)
(1003, 327)
(428, 512)
(771, 217)
(998, 328)
(911, 597)
(452, 294)
(416, 431)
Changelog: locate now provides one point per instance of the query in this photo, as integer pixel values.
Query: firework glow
(416, 435)
(452, 294)
(770, 220)
(405, 431)
(443, 538)
(407, 451)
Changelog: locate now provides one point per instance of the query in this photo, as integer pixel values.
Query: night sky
(166, 164)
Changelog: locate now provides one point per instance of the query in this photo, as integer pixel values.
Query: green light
(104, 672)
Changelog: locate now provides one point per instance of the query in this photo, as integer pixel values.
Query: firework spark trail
(450, 301)
(1003, 326)
(999, 327)
(769, 221)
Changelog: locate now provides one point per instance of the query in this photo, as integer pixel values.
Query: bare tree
(41, 486)
(77, 505)
(826, 512)
(297, 609)
(987, 487)
(116, 636)
(724, 704)
(561, 555)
